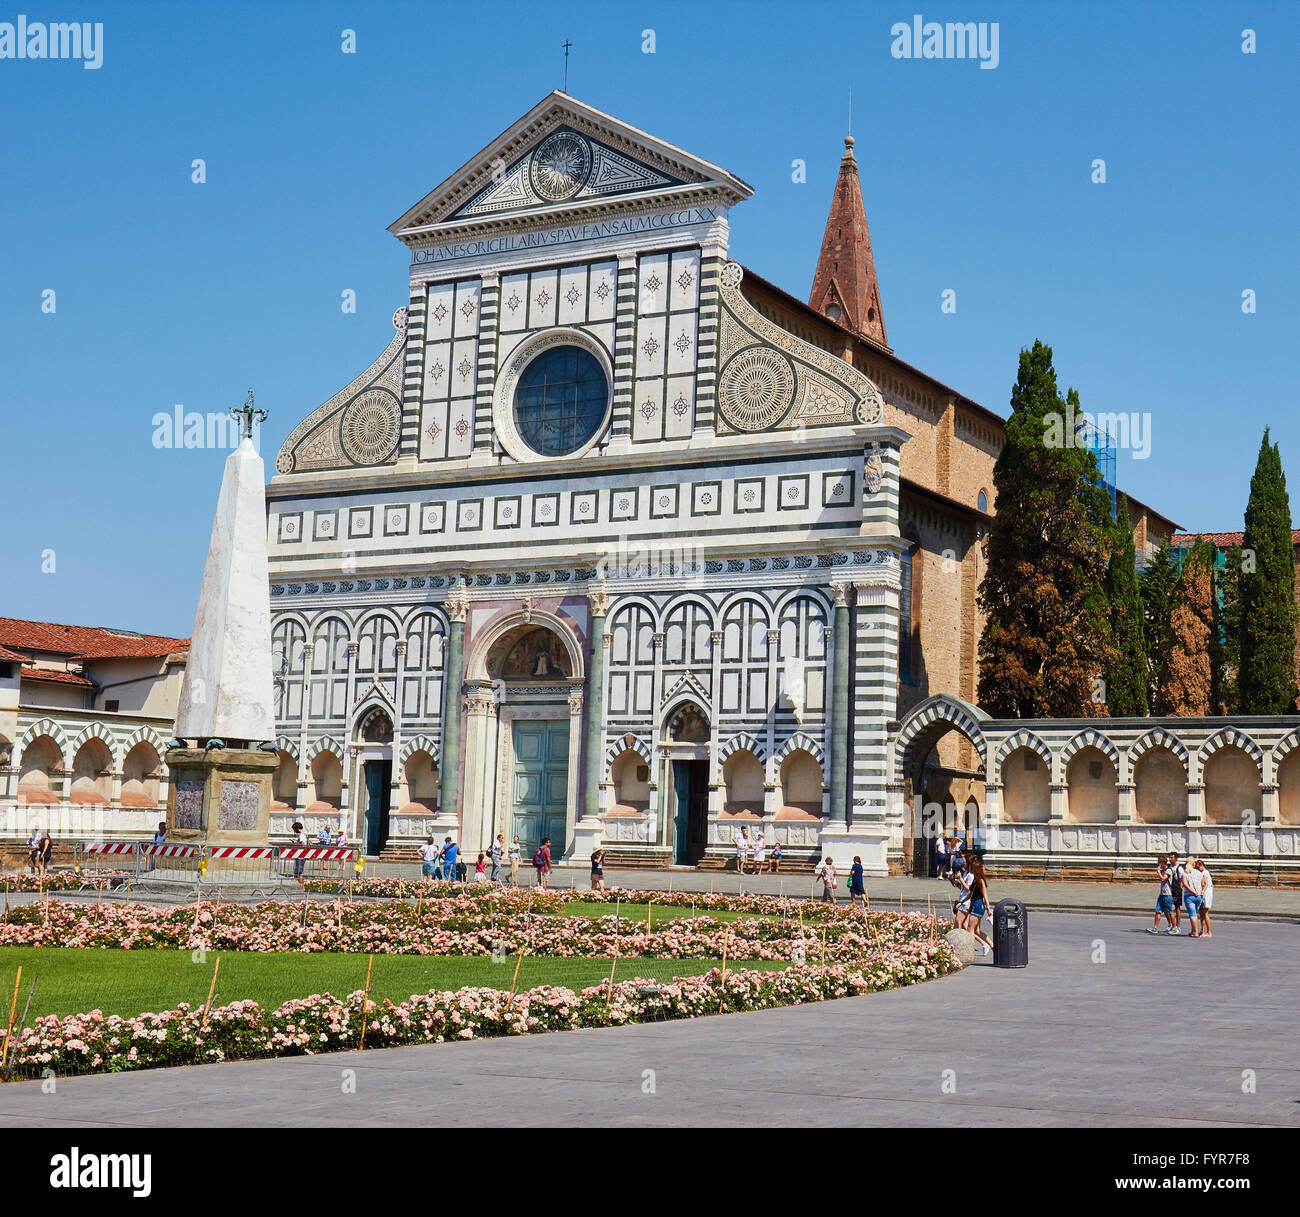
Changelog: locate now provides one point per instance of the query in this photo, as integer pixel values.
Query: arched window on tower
(905, 618)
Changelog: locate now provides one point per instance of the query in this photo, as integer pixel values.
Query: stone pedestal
(588, 833)
(868, 839)
(219, 797)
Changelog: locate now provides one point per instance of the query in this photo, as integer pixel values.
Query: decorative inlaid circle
(370, 428)
(732, 274)
(561, 166)
(284, 462)
(399, 318)
(756, 388)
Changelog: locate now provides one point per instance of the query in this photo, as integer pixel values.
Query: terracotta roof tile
(55, 677)
(7, 656)
(1221, 540)
(86, 641)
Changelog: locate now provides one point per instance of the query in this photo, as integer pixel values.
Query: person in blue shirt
(857, 889)
(449, 852)
(159, 838)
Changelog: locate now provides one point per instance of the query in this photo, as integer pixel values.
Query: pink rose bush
(863, 953)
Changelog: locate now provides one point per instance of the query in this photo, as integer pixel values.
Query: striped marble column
(488, 318)
(624, 349)
(413, 372)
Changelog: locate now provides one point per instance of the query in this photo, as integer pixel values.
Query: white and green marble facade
(739, 500)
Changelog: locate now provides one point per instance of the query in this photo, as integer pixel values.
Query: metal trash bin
(1010, 934)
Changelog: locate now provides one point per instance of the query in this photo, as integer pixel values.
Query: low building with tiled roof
(85, 713)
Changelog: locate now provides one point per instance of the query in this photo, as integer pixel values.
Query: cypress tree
(1159, 587)
(1188, 674)
(1127, 694)
(1046, 635)
(1268, 602)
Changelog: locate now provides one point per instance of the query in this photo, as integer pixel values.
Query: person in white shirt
(827, 874)
(1207, 897)
(741, 841)
(429, 852)
(760, 852)
(1193, 887)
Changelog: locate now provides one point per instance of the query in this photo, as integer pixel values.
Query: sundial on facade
(561, 166)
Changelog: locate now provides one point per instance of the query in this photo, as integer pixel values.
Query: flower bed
(837, 952)
(59, 880)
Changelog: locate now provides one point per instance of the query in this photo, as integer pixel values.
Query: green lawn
(71, 980)
(659, 912)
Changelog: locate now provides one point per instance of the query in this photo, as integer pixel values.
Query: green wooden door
(541, 783)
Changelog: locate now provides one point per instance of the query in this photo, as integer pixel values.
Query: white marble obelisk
(228, 689)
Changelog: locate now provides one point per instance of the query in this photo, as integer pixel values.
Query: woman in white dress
(760, 852)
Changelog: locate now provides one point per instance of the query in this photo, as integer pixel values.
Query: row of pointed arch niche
(314, 658)
(321, 793)
(744, 638)
(1155, 779)
(93, 766)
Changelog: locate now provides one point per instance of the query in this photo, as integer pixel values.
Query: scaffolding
(1102, 445)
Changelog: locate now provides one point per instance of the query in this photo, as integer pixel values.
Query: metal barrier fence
(261, 866)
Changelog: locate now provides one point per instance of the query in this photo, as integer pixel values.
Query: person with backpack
(598, 870)
(542, 862)
(1176, 873)
(450, 850)
(495, 850)
(1165, 900)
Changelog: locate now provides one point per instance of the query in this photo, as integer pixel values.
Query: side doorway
(691, 810)
(379, 776)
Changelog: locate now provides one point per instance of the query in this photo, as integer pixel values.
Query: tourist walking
(826, 873)
(429, 852)
(47, 850)
(34, 849)
(1176, 872)
(513, 854)
(1165, 899)
(741, 841)
(300, 839)
(450, 852)
(1193, 885)
(976, 884)
(857, 888)
(542, 862)
(941, 856)
(497, 848)
(760, 852)
(1207, 897)
(480, 868)
(598, 871)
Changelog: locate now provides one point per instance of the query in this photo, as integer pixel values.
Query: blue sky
(975, 180)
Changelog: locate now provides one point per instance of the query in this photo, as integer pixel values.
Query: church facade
(594, 548)
(618, 542)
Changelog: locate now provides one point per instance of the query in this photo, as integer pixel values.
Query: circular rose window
(560, 401)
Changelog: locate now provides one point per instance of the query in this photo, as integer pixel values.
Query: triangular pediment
(562, 156)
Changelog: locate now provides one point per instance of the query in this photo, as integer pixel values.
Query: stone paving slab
(1158, 1035)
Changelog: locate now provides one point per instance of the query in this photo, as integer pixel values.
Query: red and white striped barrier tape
(240, 851)
(169, 851)
(314, 853)
(108, 847)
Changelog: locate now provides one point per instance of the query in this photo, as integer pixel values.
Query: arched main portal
(685, 743)
(523, 737)
(940, 780)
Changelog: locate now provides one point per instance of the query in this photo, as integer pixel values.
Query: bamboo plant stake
(515, 981)
(13, 1010)
(365, 1005)
(212, 989)
(609, 988)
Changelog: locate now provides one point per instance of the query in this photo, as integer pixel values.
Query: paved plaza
(1157, 1035)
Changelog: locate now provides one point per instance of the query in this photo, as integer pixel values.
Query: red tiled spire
(846, 272)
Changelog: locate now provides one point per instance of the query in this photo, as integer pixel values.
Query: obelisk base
(219, 797)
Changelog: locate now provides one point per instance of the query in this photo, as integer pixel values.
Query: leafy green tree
(1046, 637)
(1127, 694)
(1268, 602)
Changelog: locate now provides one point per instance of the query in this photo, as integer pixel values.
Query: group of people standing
(830, 877)
(443, 861)
(1188, 889)
(752, 851)
(40, 849)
